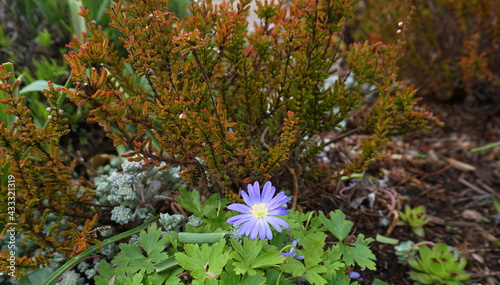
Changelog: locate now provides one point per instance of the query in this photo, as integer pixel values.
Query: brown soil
(434, 168)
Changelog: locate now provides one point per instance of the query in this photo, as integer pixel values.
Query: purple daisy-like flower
(260, 211)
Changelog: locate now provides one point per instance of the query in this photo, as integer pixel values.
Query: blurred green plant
(52, 11)
(486, 147)
(48, 70)
(4, 40)
(416, 218)
(404, 251)
(44, 38)
(440, 265)
(179, 7)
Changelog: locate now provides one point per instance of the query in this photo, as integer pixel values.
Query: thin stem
(80, 160)
(344, 135)
(77, 259)
(419, 244)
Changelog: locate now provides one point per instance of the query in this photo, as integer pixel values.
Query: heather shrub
(41, 197)
(451, 49)
(232, 104)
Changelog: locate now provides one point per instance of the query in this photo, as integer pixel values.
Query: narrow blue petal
(267, 192)
(278, 212)
(269, 232)
(282, 198)
(233, 219)
(254, 192)
(278, 201)
(239, 219)
(247, 227)
(243, 229)
(254, 232)
(264, 230)
(262, 233)
(242, 208)
(246, 198)
(277, 222)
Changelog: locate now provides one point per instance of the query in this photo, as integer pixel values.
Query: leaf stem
(75, 260)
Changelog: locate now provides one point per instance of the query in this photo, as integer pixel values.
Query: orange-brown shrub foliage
(452, 45)
(232, 104)
(39, 197)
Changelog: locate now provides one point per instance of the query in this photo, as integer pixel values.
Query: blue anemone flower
(260, 211)
(292, 252)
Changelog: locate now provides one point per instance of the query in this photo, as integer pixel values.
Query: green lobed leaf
(123, 273)
(229, 277)
(312, 235)
(135, 280)
(217, 258)
(358, 253)
(209, 208)
(341, 279)
(294, 267)
(247, 257)
(257, 279)
(168, 278)
(205, 262)
(337, 224)
(131, 255)
(190, 201)
(313, 256)
(194, 260)
(154, 244)
(334, 267)
(276, 277)
(106, 273)
(313, 252)
(313, 274)
(268, 259)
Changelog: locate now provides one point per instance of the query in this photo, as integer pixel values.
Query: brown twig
(344, 135)
(80, 160)
(394, 222)
(419, 244)
(263, 139)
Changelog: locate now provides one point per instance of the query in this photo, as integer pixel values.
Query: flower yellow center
(259, 210)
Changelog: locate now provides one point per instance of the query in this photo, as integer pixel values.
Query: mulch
(434, 168)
